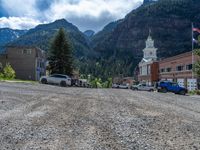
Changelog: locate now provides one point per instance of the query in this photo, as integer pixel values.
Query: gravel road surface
(43, 117)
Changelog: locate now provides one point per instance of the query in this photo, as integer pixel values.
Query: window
(189, 67)
(162, 70)
(179, 68)
(169, 69)
(174, 84)
(26, 51)
(148, 69)
(140, 70)
(58, 76)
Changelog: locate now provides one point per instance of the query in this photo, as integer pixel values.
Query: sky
(85, 14)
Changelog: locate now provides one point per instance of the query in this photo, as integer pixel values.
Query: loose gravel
(43, 117)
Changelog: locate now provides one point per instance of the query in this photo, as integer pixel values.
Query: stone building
(148, 67)
(29, 63)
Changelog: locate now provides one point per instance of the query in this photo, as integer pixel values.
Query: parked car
(115, 85)
(168, 86)
(59, 79)
(120, 86)
(143, 87)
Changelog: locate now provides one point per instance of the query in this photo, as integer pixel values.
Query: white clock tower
(149, 64)
(150, 52)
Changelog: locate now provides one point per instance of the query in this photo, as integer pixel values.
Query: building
(148, 67)
(29, 63)
(179, 69)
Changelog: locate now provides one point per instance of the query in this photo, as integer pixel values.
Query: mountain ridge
(8, 35)
(42, 34)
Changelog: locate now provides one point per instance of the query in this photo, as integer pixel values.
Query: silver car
(58, 79)
(143, 87)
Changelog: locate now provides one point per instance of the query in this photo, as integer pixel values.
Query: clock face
(151, 53)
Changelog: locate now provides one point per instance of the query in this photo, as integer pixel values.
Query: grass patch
(194, 92)
(18, 81)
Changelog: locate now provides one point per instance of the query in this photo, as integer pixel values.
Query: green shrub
(1, 76)
(8, 72)
(198, 92)
(194, 92)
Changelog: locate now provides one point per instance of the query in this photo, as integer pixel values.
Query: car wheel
(44, 81)
(182, 92)
(63, 84)
(151, 90)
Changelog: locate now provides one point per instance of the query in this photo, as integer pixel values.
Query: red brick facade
(179, 69)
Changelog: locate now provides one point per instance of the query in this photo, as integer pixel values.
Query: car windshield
(174, 84)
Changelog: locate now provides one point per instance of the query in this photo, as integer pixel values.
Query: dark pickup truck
(168, 86)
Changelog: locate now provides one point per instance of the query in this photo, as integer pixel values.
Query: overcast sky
(86, 14)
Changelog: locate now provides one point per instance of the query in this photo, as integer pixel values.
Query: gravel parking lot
(54, 118)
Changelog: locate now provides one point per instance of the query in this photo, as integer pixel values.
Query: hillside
(170, 22)
(102, 35)
(7, 35)
(43, 34)
(89, 33)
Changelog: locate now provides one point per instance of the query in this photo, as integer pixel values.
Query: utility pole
(192, 52)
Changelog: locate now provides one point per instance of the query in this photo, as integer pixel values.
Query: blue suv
(168, 86)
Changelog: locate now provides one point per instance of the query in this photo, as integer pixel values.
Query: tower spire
(150, 32)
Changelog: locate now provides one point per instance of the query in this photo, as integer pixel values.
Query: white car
(143, 87)
(59, 79)
(120, 86)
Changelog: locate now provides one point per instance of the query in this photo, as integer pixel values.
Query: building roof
(4, 48)
(176, 57)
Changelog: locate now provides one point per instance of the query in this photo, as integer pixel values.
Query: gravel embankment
(53, 118)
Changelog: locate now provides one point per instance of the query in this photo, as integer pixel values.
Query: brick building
(148, 67)
(29, 63)
(179, 69)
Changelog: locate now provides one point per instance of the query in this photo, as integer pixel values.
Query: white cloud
(92, 8)
(94, 13)
(20, 8)
(18, 22)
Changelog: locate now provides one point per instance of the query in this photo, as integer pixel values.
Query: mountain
(146, 2)
(41, 36)
(102, 35)
(8, 35)
(170, 23)
(89, 33)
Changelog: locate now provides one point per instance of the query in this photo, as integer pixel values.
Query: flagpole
(192, 52)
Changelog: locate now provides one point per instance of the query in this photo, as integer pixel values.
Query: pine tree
(60, 55)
